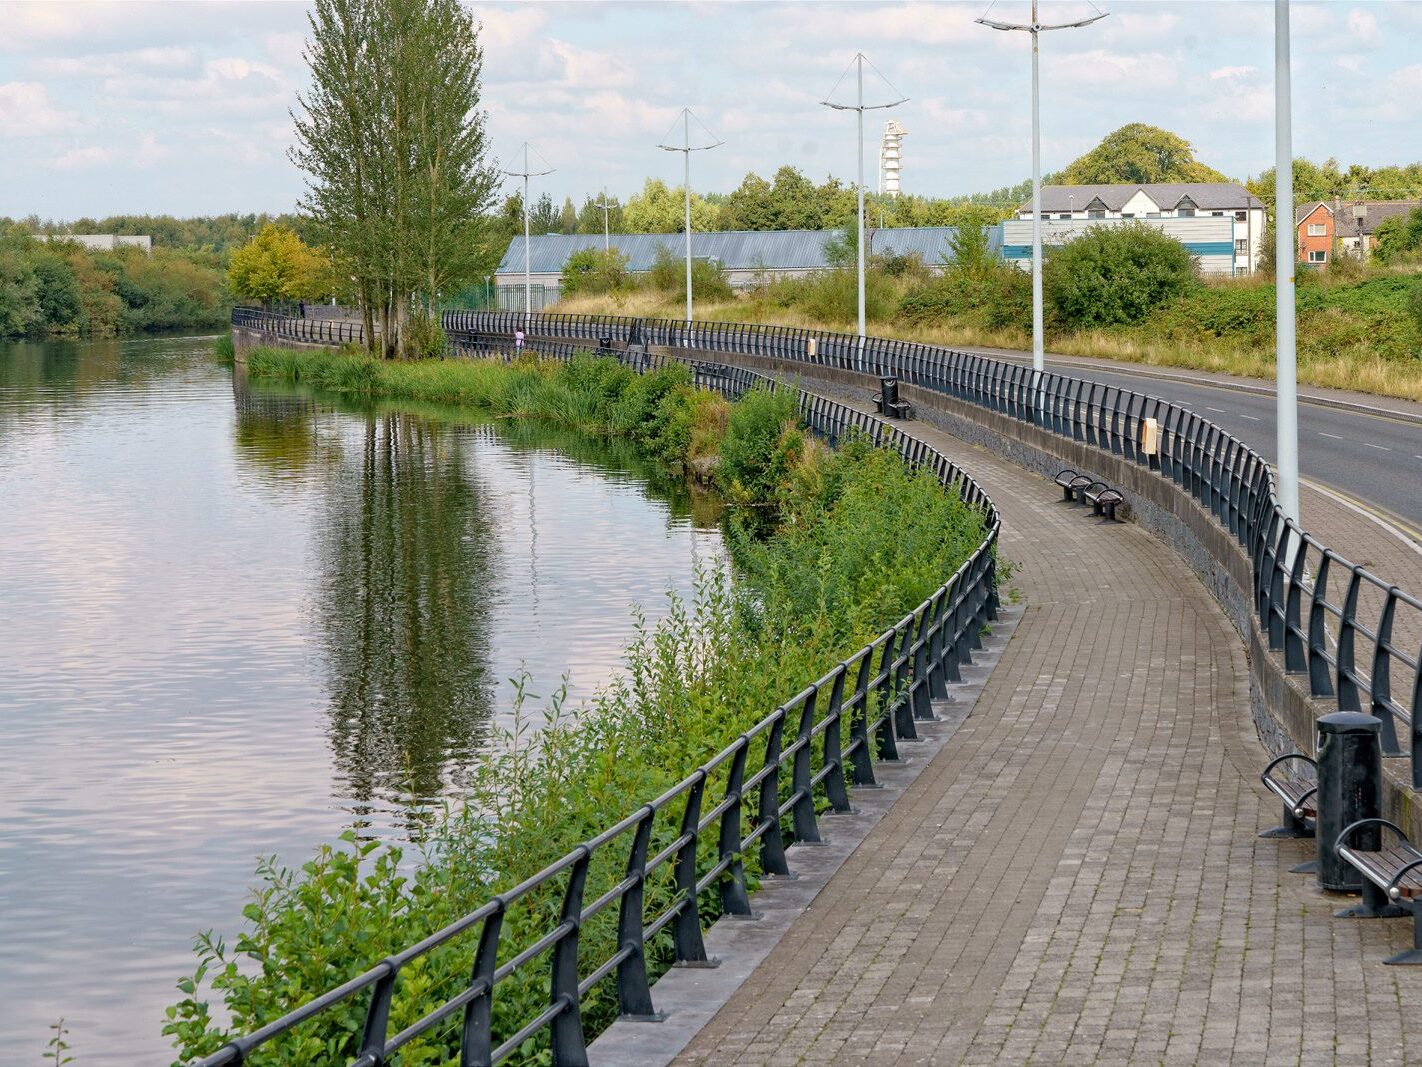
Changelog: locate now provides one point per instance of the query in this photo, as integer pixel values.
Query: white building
(1221, 223)
(101, 242)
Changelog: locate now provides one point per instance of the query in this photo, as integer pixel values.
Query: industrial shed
(745, 255)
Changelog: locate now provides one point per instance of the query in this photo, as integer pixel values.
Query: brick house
(1314, 224)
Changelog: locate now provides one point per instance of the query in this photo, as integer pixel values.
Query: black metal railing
(1357, 636)
(767, 788)
(295, 328)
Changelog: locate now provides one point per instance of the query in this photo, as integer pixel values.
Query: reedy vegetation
(830, 547)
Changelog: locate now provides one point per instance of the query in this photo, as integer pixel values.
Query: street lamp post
(1285, 254)
(606, 207)
(860, 107)
(1035, 28)
(525, 174)
(687, 148)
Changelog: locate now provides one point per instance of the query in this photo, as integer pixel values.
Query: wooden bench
(1392, 879)
(1070, 482)
(1300, 805)
(1103, 499)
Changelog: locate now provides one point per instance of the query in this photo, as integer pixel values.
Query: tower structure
(891, 158)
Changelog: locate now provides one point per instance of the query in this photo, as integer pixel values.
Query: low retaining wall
(244, 339)
(1284, 712)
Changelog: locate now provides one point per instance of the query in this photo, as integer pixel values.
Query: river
(239, 621)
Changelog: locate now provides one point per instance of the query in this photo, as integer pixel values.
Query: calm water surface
(240, 621)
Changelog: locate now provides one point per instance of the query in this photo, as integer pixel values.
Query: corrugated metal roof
(734, 250)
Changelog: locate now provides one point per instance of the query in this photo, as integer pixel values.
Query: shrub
(1115, 274)
(1414, 302)
(668, 275)
(423, 337)
(595, 270)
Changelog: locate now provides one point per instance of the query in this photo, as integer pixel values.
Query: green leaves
(1137, 153)
(1116, 274)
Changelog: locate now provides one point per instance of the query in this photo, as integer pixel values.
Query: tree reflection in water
(405, 613)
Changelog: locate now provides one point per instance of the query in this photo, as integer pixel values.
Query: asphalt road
(1370, 458)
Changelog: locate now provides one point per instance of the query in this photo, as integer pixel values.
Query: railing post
(1380, 681)
(1294, 659)
(938, 610)
(772, 841)
(477, 1046)
(634, 994)
(1347, 687)
(1319, 682)
(899, 672)
(862, 761)
(734, 899)
(921, 696)
(566, 1028)
(686, 927)
(802, 815)
(1415, 720)
(835, 791)
(377, 1018)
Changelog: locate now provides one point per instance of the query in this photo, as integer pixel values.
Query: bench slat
(1382, 866)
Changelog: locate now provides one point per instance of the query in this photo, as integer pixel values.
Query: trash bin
(604, 344)
(1349, 789)
(888, 395)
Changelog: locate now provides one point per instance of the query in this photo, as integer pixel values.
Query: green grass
(830, 548)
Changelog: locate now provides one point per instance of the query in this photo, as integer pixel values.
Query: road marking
(1220, 410)
(1380, 448)
(1251, 418)
(1408, 536)
(1332, 435)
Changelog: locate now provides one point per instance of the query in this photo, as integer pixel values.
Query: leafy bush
(1115, 274)
(992, 294)
(668, 275)
(596, 270)
(1400, 238)
(1414, 302)
(423, 337)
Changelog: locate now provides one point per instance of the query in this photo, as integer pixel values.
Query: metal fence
(1356, 635)
(296, 328)
(764, 790)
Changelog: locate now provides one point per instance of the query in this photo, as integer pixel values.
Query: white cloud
(84, 158)
(1233, 73)
(1134, 74)
(1363, 29)
(26, 111)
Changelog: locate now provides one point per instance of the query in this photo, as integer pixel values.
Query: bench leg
(1414, 955)
(1292, 826)
(1375, 905)
(1111, 511)
(1066, 494)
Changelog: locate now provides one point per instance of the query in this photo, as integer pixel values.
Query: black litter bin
(1349, 789)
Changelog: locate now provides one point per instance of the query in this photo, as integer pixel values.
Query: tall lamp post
(1286, 391)
(525, 174)
(1035, 28)
(687, 148)
(860, 107)
(606, 230)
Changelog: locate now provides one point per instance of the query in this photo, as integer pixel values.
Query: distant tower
(890, 158)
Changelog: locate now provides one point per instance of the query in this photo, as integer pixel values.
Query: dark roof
(1347, 226)
(734, 250)
(1207, 196)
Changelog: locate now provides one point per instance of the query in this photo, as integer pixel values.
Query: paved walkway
(1076, 877)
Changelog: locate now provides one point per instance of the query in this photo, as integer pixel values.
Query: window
(1152, 214)
(1186, 213)
(1317, 229)
(1217, 214)
(1241, 247)
(1096, 214)
(1064, 215)
(1318, 257)
(1128, 215)
(1186, 208)
(1241, 216)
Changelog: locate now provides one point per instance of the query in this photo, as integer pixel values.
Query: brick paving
(1076, 877)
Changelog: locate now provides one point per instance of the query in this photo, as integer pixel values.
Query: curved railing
(761, 791)
(1361, 648)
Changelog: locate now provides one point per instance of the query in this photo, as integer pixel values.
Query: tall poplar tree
(392, 140)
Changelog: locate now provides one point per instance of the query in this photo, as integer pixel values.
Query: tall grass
(858, 541)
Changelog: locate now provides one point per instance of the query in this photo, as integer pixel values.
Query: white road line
(1220, 410)
(1378, 519)
(1251, 418)
(1332, 435)
(1380, 448)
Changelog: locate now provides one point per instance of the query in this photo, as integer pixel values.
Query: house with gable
(1221, 223)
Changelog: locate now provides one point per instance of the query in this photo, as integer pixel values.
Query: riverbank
(829, 548)
(1358, 334)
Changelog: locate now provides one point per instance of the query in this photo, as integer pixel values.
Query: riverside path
(1076, 877)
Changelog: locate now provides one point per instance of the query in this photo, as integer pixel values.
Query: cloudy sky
(182, 107)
